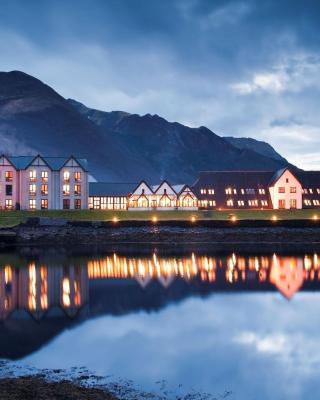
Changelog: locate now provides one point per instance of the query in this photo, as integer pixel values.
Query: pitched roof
(309, 178)
(55, 163)
(225, 179)
(110, 188)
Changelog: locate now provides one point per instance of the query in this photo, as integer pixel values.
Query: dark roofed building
(310, 181)
(247, 189)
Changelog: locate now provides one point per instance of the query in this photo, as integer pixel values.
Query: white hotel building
(35, 183)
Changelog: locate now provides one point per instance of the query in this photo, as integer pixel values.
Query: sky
(246, 68)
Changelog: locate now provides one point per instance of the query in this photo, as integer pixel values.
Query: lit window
(318, 191)
(262, 191)
(234, 191)
(242, 191)
(307, 202)
(228, 191)
(32, 189)
(293, 189)
(282, 204)
(66, 176)
(310, 191)
(77, 176)
(44, 189)
(240, 203)
(210, 191)
(264, 203)
(77, 189)
(8, 204)
(9, 176)
(281, 189)
(77, 204)
(66, 189)
(316, 202)
(32, 204)
(212, 203)
(305, 191)
(293, 203)
(203, 191)
(230, 203)
(253, 203)
(44, 204)
(32, 175)
(44, 176)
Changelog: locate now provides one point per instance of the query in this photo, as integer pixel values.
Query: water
(237, 326)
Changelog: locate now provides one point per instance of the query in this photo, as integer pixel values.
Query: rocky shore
(37, 387)
(54, 231)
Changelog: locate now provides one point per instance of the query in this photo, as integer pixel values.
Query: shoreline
(203, 234)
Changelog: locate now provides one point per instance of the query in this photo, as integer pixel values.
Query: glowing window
(32, 189)
(77, 176)
(9, 176)
(32, 175)
(32, 204)
(66, 176)
(44, 204)
(66, 189)
(281, 189)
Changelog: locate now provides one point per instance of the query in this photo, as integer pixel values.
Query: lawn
(11, 218)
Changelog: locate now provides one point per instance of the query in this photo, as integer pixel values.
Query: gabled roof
(156, 188)
(110, 188)
(55, 163)
(143, 182)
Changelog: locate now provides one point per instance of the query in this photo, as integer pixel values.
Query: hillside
(119, 146)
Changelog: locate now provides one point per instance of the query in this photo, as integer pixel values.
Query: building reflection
(40, 289)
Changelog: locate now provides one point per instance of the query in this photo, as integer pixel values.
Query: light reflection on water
(124, 315)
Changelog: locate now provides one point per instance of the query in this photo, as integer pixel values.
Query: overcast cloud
(241, 68)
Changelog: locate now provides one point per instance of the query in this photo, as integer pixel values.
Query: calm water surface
(242, 323)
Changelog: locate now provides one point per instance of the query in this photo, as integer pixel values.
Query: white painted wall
(287, 180)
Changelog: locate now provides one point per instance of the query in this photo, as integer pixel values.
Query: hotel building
(225, 190)
(35, 183)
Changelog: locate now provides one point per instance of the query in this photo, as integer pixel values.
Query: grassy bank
(11, 218)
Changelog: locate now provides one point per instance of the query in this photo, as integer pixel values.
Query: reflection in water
(40, 288)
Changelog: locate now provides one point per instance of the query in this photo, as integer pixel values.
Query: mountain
(258, 146)
(119, 146)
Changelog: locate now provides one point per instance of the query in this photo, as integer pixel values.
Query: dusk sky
(242, 68)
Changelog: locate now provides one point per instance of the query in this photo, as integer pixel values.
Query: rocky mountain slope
(119, 146)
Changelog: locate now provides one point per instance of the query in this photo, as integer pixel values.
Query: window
(77, 204)
(282, 204)
(66, 176)
(234, 191)
(8, 190)
(318, 191)
(310, 191)
(32, 189)
(228, 191)
(316, 202)
(9, 176)
(305, 191)
(44, 189)
(253, 203)
(66, 204)
(44, 204)
(8, 204)
(307, 202)
(293, 203)
(287, 180)
(240, 203)
(210, 191)
(77, 190)
(281, 189)
(250, 191)
(230, 203)
(264, 203)
(32, 204)
(66, 190)
(203, 191)
(77, 176)
(242, 191)
(212, 203)
(293, 189)
(32, 175)
(44, 176)
(262, 191)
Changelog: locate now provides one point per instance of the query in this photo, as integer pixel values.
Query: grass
(11, 218)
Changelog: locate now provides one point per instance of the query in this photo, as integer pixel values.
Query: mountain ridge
(119, 146)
